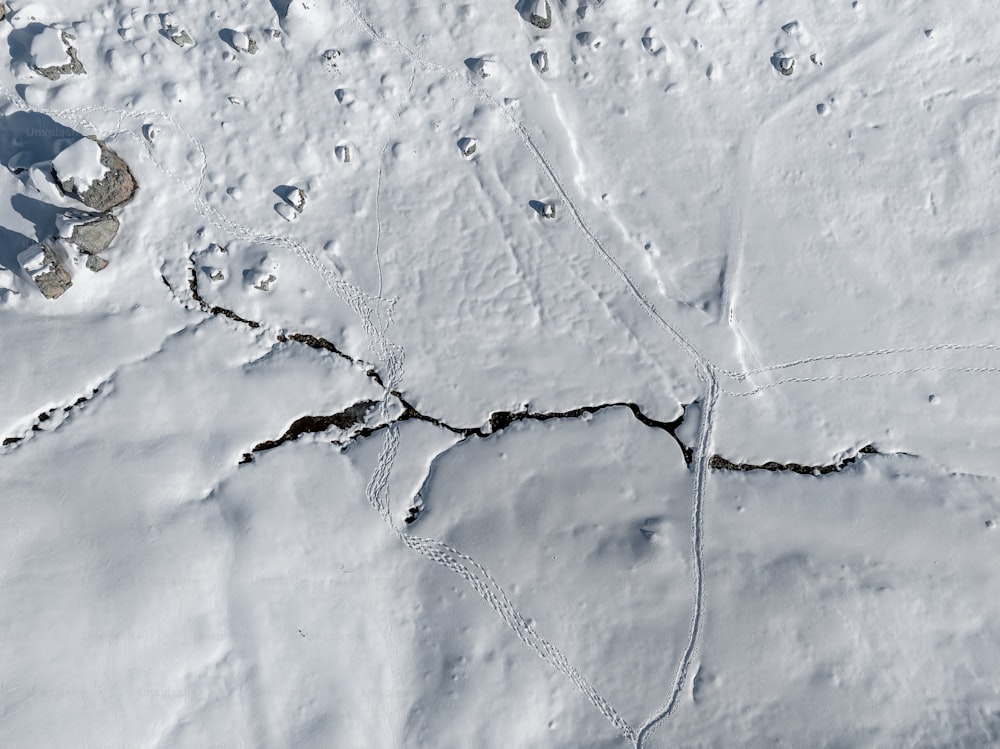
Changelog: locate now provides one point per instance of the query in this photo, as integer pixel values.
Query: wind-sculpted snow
(780, 249)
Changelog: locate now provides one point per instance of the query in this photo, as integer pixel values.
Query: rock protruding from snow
(467, 146)
(331, 60)
(297, 198)
(541, 61)
(116, 187)
(484, 67)
(783, 63)
(589, 39)
(96, 263)
(243, 42)
(90, 233)
(45, 267)
(540, 15)
(180, 37)
(294, 202)
(259, 279)
(53, 54)
(79, 166)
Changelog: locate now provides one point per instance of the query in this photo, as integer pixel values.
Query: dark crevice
(46, 416)
(350, 417)
(718, 463)
(206, 307)
(497, 421)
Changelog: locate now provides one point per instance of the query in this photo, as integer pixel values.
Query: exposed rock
(90, 233)
(96, 263)
(541, 61)
(541, 14)
(115, 188)
(483, 67)
(258, 279)
(243, 42)
(72, 67)
(718, 463)
(331, 60)
(467, 146)
(297, 198)
(43, 264)
(179, 36)
(785, 65)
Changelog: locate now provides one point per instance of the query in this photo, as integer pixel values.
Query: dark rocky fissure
(718, 463)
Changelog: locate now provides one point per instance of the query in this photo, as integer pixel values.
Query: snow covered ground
(578, 373)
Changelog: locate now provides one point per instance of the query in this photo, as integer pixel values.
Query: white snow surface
(48, 49)
(801, 268)
(80, 162)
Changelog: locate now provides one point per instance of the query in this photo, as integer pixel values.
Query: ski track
(371, 308)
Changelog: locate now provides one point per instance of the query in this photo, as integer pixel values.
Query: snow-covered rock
(297, 198)
(541, 61)
(53, 55)
(44, 265)
(485, 67)
(540, 15)
(243, 42)
(79, 166)
(94, 175)
(90, 233)
(467, 146)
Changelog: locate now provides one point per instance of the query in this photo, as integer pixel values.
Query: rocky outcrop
(72, 66)
(44, 265)
(115, 188)
(540, 15)
(90, 233)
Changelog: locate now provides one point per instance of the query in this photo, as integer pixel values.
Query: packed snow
(558, 373)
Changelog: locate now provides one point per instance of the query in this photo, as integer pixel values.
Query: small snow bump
(286, 211)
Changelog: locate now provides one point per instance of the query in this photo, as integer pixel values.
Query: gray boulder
(45, 267)
(540, 15)
(96, 263)
(90, 233)
(115, 188)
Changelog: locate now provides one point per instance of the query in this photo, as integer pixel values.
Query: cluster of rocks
(81, 234)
